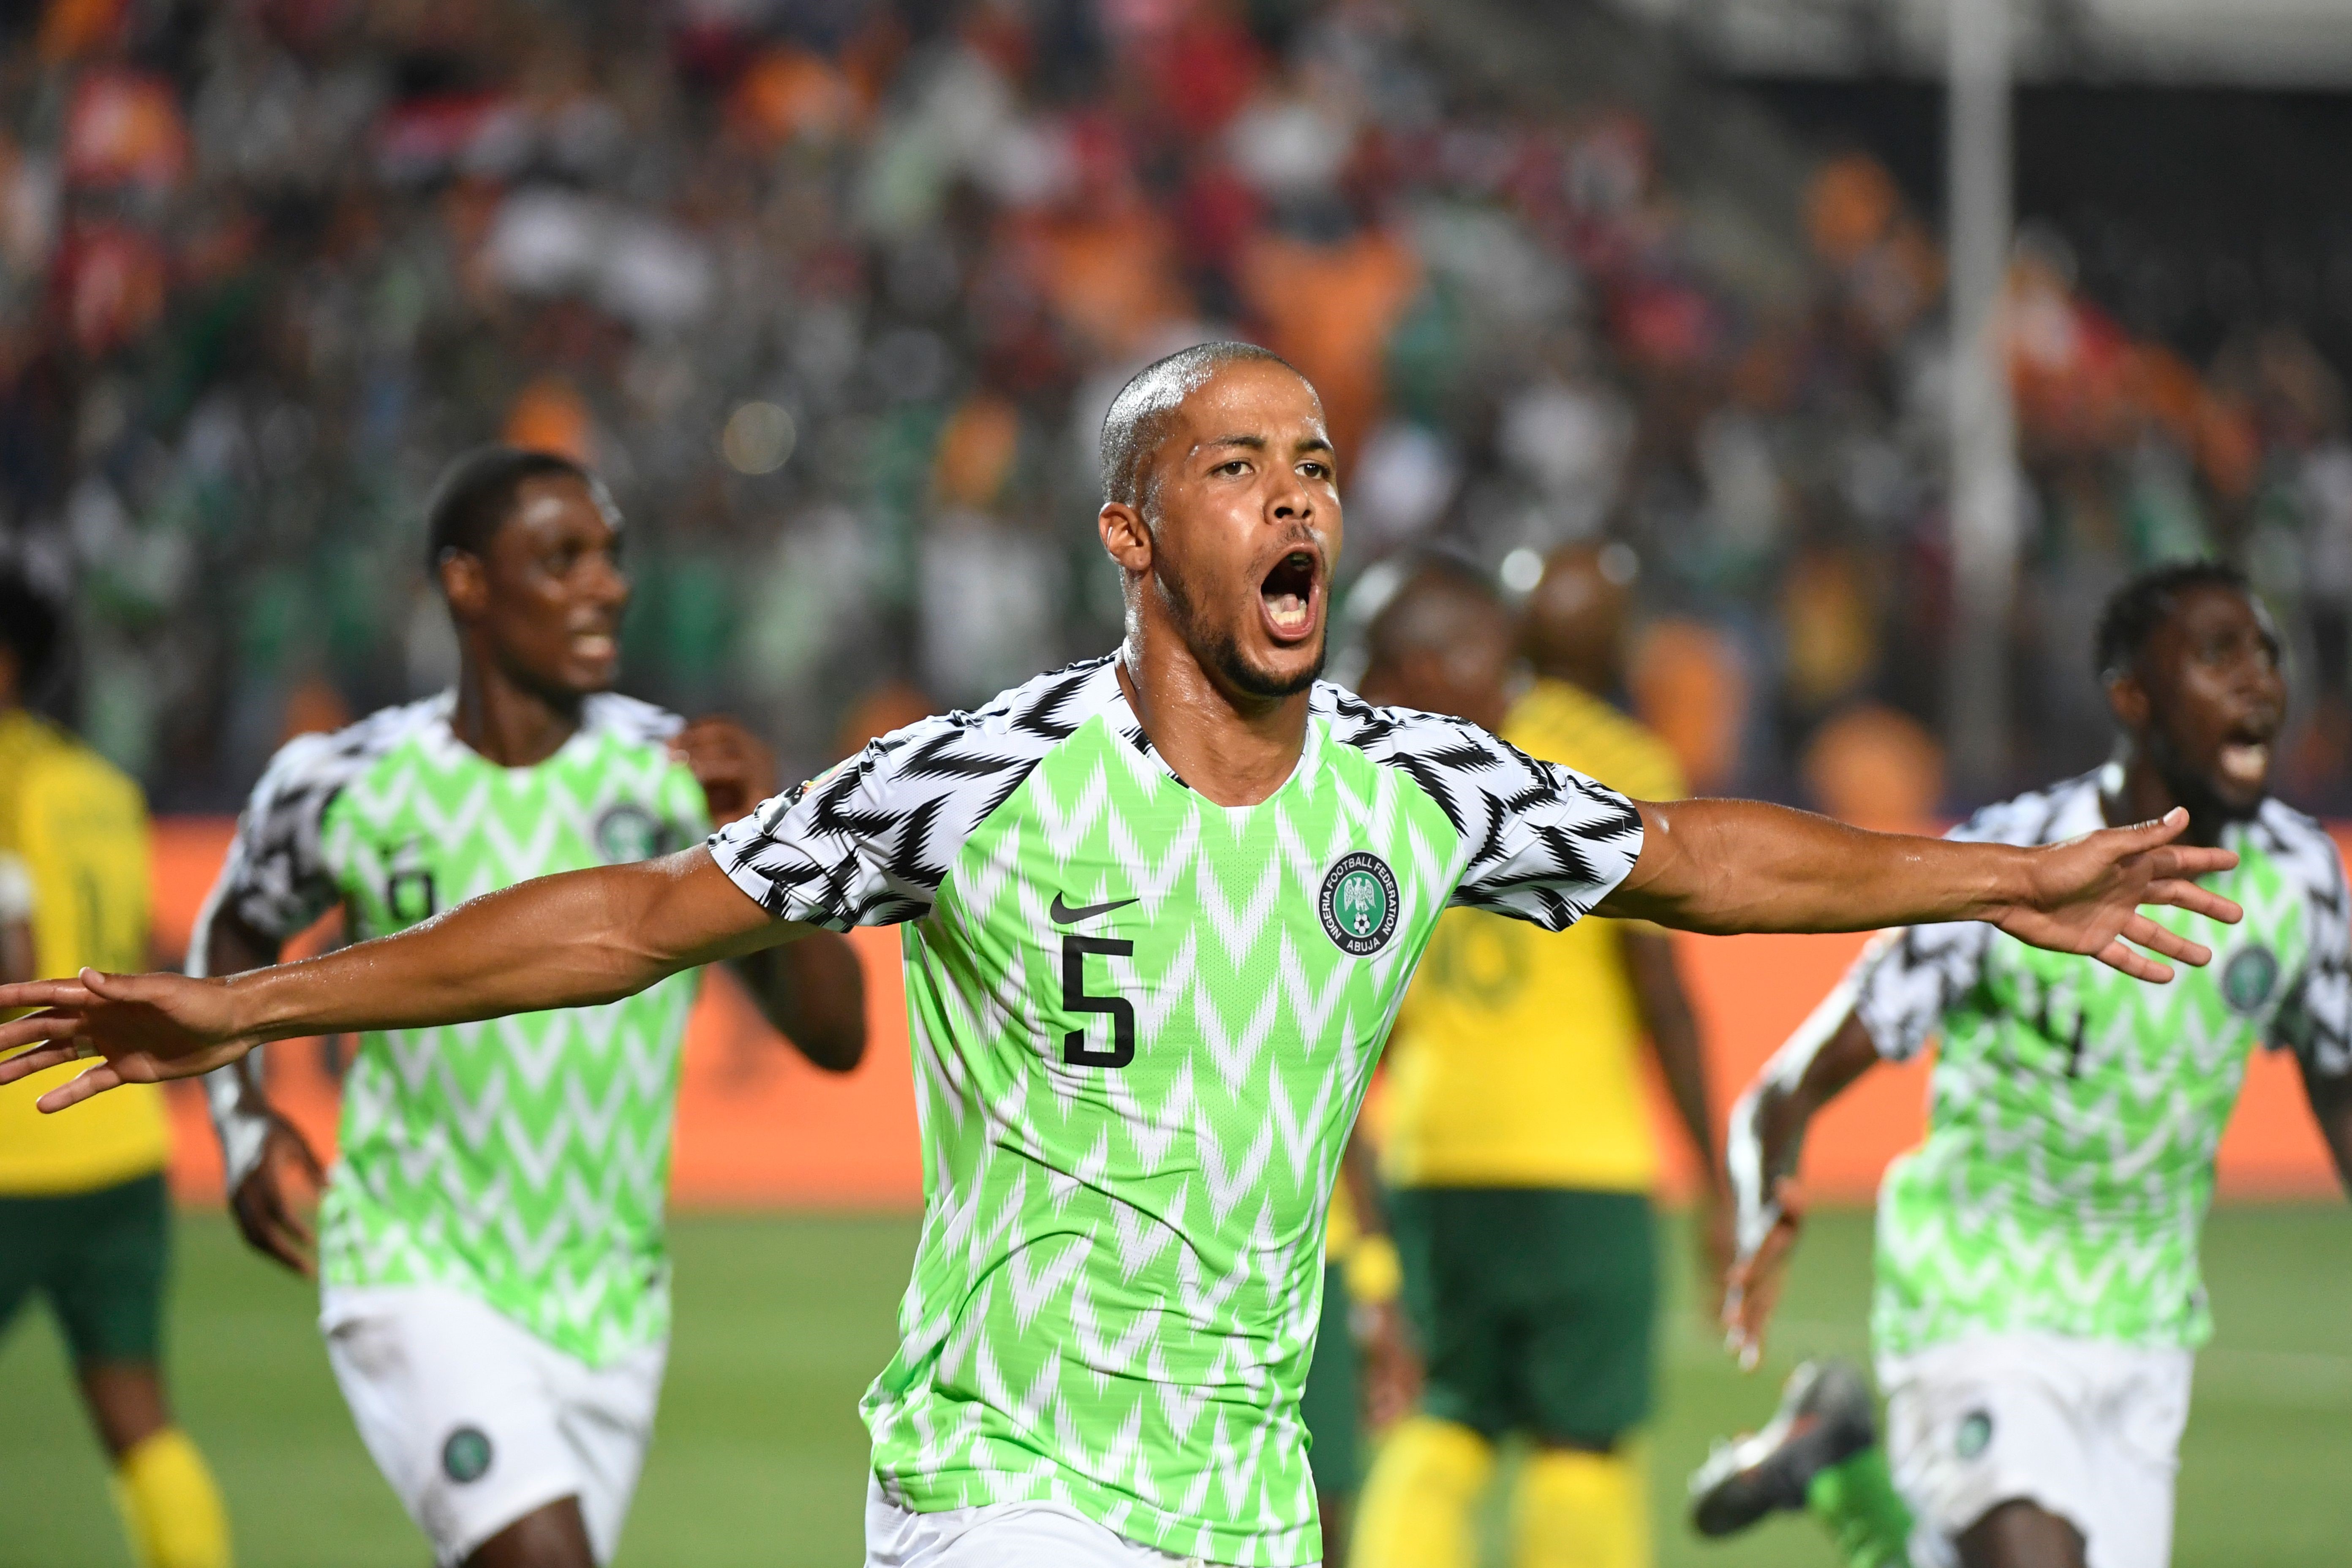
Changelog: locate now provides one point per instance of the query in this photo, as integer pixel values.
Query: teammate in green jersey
(494, 1277)
(2038, 1300)
(1158, 911)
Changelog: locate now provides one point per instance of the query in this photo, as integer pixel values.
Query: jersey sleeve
(1906, 980)
(1542, 842)
(869, 842)
(2314, 1017)
(275, 878)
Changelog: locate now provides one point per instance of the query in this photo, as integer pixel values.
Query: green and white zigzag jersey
(1142, 1025)
(2074, 1113)
(524, 1160)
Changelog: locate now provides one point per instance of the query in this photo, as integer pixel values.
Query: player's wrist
(260, 1004)
(2010, 879)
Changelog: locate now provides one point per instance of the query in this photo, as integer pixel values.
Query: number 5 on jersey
(1074, 1050)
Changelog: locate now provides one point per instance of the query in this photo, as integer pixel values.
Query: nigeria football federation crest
(1358, 903)
(2248, 977)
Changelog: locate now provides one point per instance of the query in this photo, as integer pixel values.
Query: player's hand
(146, 1027)
(735, 769)
(2086, 896)
(267, 1218)
(1393, 1370)
(1752, 1284)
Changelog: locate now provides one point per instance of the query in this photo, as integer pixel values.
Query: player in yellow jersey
(84, 1218)
(1519, 1149)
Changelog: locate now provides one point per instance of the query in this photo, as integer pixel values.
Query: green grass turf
(780, 1321)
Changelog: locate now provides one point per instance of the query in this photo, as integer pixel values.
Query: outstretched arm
(567, 941)
(1727, 866)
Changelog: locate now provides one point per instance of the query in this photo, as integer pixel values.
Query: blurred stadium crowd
(834, 291)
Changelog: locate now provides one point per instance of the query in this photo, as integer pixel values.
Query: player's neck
(507, 722)
(2145, 796)
(1229, 747)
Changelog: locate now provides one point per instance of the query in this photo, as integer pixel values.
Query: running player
(495, 1298)
(2038, 1300)
(1519, 1140)
(84, 1216)
(1158, 911)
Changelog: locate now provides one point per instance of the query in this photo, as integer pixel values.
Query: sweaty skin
(1244, 520)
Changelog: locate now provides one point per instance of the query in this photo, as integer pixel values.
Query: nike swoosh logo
(1063, 915)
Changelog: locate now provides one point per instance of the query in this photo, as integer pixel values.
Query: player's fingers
(40, 1058)
(55, 1028)
(2117, 954)
(2193, 860)
(302, 1154)
(262, 1219)
(97, 1080)
(2183, 894)
(2171, 945)
(31, 994)
(289, 1237)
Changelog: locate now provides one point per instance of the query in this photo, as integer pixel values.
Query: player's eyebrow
(1317, 444)
(1253, 443)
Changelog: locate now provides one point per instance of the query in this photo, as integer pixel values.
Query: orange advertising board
(757, 1126)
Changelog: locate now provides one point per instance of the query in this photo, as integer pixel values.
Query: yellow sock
(170, 1505)
(1573, 1509)
(1415, 1508)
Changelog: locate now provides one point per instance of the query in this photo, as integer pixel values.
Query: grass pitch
(781, 1320)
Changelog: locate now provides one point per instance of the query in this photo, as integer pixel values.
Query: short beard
(2195, 791)
(1220, 653)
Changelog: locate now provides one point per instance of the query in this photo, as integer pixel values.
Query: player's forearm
(1673, 1029)
(814, 992)
(1723, 866)
(574, 939)
(1766, 1135)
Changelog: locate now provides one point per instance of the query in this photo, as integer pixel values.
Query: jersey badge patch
(627, 833)
(1358, 903)
(467, 1455)
(2249, 976)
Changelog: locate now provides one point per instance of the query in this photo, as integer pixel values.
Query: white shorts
(1001, 1535)
(2085, 1430)
(476, 1421)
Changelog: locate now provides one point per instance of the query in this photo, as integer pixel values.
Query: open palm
(2088, 892)
(144, 1027)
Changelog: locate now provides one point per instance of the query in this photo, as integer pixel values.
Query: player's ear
(1125, 536)
(464, 583)
(2127, 699)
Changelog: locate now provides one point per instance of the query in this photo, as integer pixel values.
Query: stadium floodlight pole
(1983, 423)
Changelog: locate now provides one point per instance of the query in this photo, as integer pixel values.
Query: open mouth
(1288, 594)
(597, 644)
(2245, 759)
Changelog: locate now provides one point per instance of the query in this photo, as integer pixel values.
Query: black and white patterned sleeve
(1539, 842)
(1906, 980)
(2314, 1017)
(275, 878)
(869, 842)
(277, 881)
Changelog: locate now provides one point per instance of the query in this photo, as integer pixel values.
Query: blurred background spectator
(834, 292)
